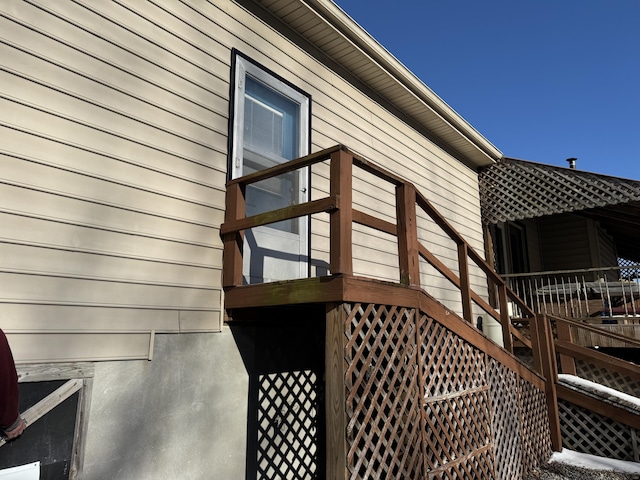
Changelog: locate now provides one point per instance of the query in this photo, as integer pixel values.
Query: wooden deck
(412, 389)
(396, 406)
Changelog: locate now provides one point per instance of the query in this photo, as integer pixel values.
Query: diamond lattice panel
(588, 432)
(515, 189)
(609, 378)
(457, 416)
(382, 403)
(505, 421)
(452, 364)
(287, 425)
(536, 434)
(456, 427)
(421, 402)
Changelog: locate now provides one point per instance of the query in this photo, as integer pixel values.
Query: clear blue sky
(543, 80)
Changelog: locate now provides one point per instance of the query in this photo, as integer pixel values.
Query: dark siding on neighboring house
(564, 242)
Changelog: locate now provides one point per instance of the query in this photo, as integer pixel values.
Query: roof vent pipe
(572, 163)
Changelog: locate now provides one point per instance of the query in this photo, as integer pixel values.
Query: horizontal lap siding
(564, 242)
(113, 153)
(343, 114)
(607, 248)
(114, 126)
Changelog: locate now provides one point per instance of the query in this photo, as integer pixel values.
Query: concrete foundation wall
(182, 415)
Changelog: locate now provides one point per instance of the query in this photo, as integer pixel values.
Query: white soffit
(327, 26)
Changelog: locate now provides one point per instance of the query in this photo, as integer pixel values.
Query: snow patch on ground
(593, 462)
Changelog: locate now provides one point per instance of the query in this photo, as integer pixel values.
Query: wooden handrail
(598, 358)
(327, 204)
(568, 352)
(605, 333)
(342, 215)
(453, 278)
(339, 205)
(611, 411)
(287, 167)
(375, 170)
(433, 213)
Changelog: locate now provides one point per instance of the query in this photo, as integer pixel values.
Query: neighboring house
(120, 124)
(562, 234)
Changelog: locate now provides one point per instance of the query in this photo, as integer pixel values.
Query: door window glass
(271, 123)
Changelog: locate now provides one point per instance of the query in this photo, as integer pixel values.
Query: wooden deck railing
(614, 437)
(595, 293)
(561, 333)
(558, 353)
(339, 205)
(568, 351)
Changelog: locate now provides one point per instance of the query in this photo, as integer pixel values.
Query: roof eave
(426, 107)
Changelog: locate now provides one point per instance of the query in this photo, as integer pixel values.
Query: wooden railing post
(407, 234)
(465, 284)
(233, 242)
(341, 219)
(335, 402)
(543, 349)
(505, 318)
(567, 363)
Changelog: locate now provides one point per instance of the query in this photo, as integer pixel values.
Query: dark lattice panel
(514, 189)
(382, 393)
(536, 435)
(588, 432)
(631, 270)
(505, 421)
(286, 415)
(457, 415)
(287, 425)
(608, 378)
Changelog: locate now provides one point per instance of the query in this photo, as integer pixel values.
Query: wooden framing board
(79, 378)
(335, 391)
(346, 288)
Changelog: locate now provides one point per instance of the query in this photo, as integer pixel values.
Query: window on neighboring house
(510, 248)
(500, 254)
(518, 248)
(270, 126)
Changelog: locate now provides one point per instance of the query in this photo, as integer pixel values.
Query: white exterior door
(271, 126)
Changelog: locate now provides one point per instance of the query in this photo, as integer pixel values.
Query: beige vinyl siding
(114, 125)
(81, 346)
(112, 186)
(343, 114)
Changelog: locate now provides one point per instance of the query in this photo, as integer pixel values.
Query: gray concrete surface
(181, 416)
